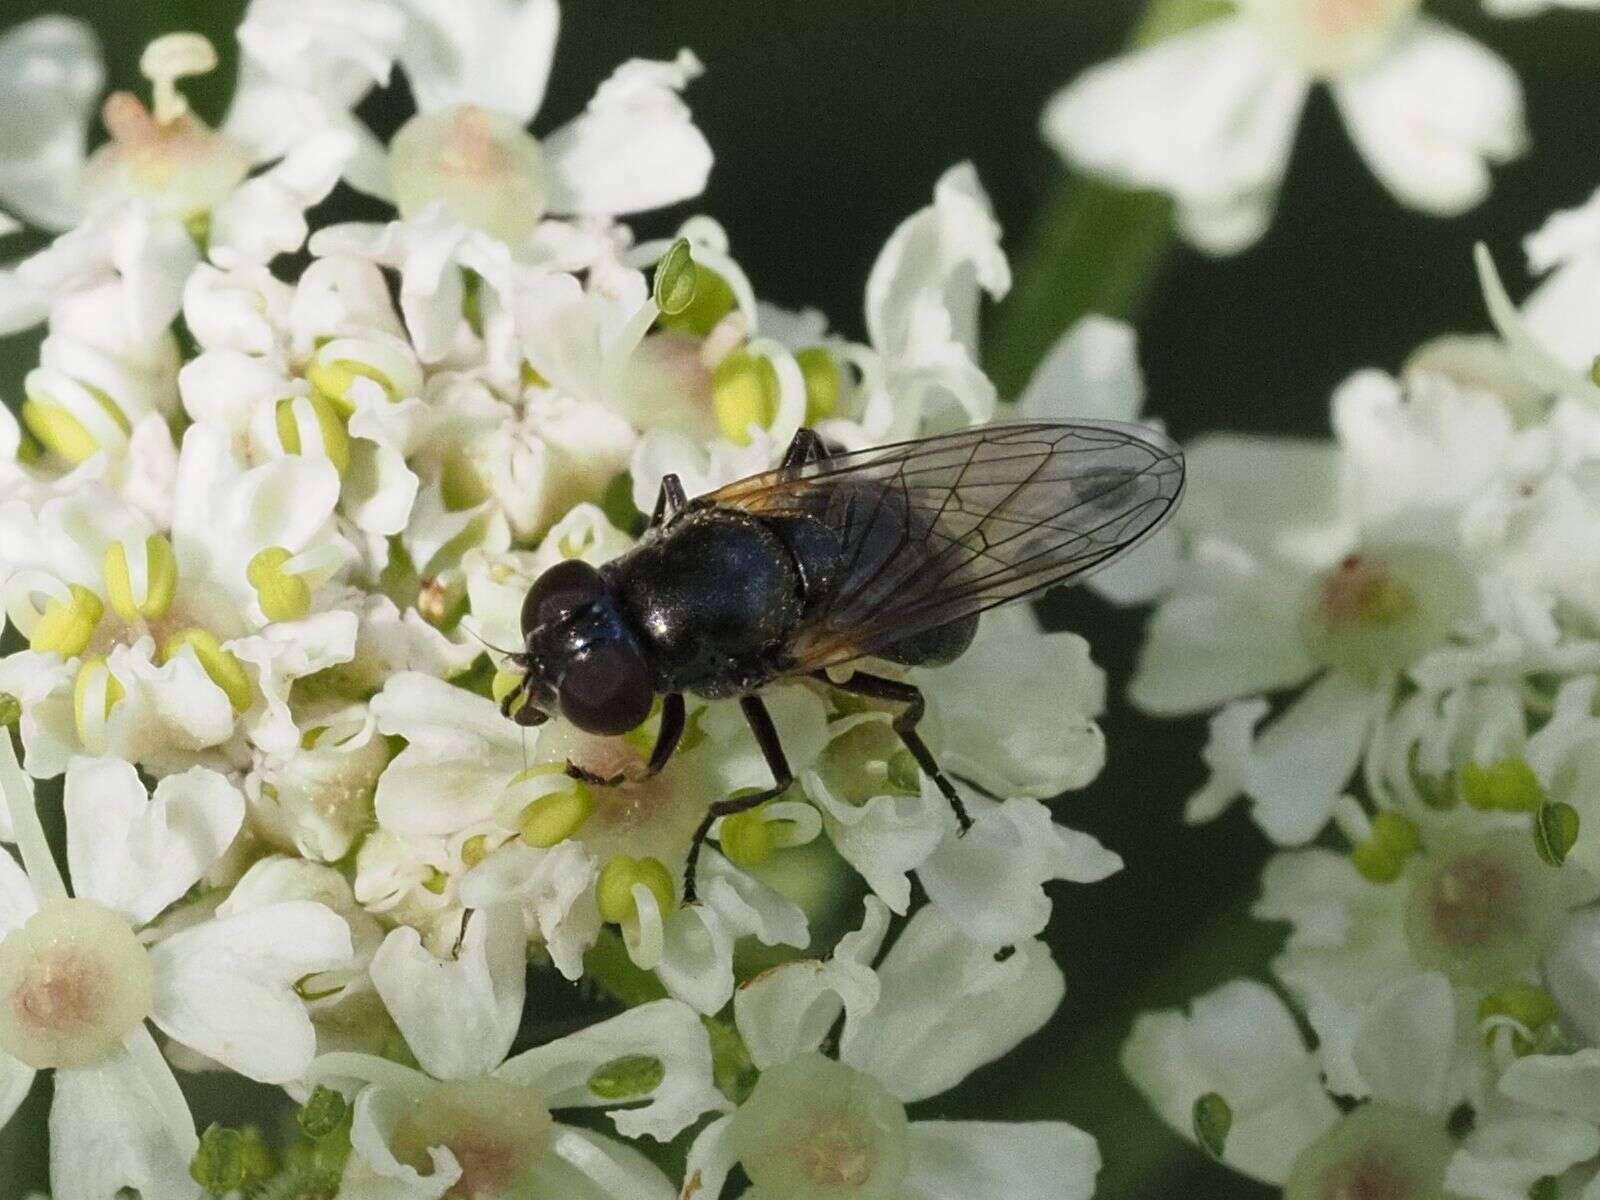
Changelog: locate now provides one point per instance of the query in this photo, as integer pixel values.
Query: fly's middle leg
(670, 500)
(805, 447)
(876, 687)
(766, 734)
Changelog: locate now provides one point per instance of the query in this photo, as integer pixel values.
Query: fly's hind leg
(766, 733)
(876, 687)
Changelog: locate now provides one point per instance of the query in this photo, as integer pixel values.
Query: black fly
(890, 553)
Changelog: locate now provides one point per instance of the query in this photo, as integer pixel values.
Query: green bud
(747, 838)
(1506, 786)
(223, 666)
(1377, 863)
(283, 596)
(676, 279)
(712, 300)
(323, 1113)
(627, 1078)
(555, 817)
(822, 383)
(1212, 1120)
(1529, 1005)
(161, 580)
(1546, 1187)
(10, 709)
(744, 392)
(219, 1165)
(614, 889)
(1555, 832)
(66, 627)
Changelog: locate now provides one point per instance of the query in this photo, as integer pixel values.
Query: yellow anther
(64, 434)
(436, 882)
(614, 890)
(333, 380)
(85, 686)
(504, 683)
(330, 425)
(67, 625)
(713, 300)
(744, 392)
(553, 818)
(283, 595)
(222, 666)
(461, 486)
(151, 595)
(822, 383)
(474, 850)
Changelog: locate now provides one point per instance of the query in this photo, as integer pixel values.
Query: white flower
(478, 71)
(52, 75)
(489, 1131)
(81, 975)
(1209, 115)
(814, 1123)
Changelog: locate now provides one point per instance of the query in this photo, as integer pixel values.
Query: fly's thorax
(712, 598)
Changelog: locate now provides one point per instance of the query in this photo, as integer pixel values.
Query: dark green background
(831, 120)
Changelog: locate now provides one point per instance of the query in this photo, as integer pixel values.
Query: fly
(889, 553)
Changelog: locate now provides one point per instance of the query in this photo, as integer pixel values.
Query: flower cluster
(1206, 110)
(271, 499)
(1400, 629)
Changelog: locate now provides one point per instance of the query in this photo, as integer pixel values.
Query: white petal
(990, 881)
(1303, 759)
(634, 148)
(1559, 1083)
(985, 718)
(1433, 115)
(136, 853)
(50, 79)
(886, 838)
(748, 907)
(106, 1134)
(495, 54)
(1091, 373)
(969, 1160)
(788, 1010)
(1208, 116)
(1229, 631)
(17, 900)
(373, 1172)
(226, 987)
(1406, 1041)
(595, 1167)
(555, 889)
(710, 1162)
(921, 1038)
(265, 216)
(695, 958)
(1241, 1043)
(1509, 1150)
(665, 1030)
(458, 1016)
(1227, 755)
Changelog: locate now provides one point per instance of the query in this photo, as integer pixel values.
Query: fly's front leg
(670, 500)
(766, 733)
(805, 447)
(667, 739)
(876, 687)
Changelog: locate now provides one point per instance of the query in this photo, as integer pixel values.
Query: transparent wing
(942, 528)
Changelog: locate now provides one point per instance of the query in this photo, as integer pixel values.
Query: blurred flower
(1208, 116)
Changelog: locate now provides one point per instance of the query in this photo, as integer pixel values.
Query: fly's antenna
(488, 645)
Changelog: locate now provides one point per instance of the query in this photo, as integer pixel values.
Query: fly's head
(582, 661)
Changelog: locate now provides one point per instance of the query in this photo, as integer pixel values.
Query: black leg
(805, 447)
(876, 687)
(667, 739)
(669, 500)
(523, 714)
(766, 733)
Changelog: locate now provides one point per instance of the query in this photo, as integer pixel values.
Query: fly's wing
(939, 529)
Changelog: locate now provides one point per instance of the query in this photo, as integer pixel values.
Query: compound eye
(561, 591)
(607, 690)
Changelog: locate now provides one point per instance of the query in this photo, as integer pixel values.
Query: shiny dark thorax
(716, 596)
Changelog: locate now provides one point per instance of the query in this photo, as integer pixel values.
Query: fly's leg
(667, 739)
(670, 500)
(515, 707)
(766, 733)
(876, 687)
(805, 447)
